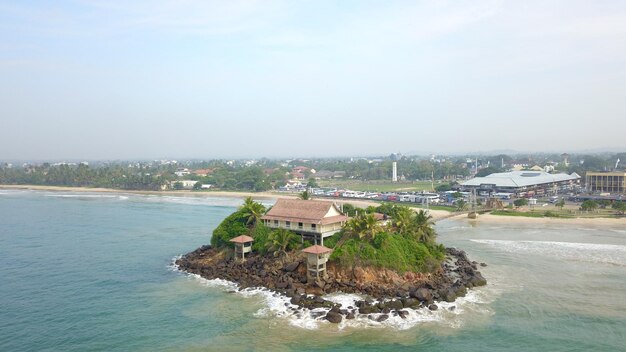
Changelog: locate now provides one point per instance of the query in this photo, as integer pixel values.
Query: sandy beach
(502, 219)
(436, 214)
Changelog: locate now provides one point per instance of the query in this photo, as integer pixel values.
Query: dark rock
(403, 314)
(433, 307)
(460, 291)
(478, 280)
(291, 267)
(483, 264)
(316, 315)
(350, 316)
(382, 318)
(395, 304)
(452, 308)
(422, 294)
(448, 296)
(333, 317)
(410, 303)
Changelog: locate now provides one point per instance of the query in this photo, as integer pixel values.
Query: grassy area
(378, 186)
(433, 207)
(392, 251)
(528, 214)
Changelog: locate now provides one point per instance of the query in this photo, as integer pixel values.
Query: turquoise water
(93, 272)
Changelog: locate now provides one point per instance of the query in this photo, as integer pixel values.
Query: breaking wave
(201, 200)
(276, 305)
(585, 252)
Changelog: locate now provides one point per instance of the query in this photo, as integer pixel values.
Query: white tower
(394, 172)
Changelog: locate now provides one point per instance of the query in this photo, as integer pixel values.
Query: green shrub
(261, 235)
(391, 251)
(234, 225)
(331, 241)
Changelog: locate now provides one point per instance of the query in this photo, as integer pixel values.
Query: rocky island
(388, 254)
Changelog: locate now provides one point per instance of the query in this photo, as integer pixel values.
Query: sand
(436, 214)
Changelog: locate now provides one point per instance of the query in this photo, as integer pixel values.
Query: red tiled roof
(316, 249)
(202, 171)
(306, 211)
(242, 239)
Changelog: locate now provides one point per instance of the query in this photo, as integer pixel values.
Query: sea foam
(276, 305)
(586, 252)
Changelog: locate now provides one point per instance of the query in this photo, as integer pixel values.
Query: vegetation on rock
(405, 243)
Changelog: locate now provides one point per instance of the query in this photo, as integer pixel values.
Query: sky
(218, 79)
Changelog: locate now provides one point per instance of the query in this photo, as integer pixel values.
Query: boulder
(460, 291)
(291, 267)
(448, 295)
(382, 318)
(422, 294)
(478, 280)
(316, 315)
(350, 315)
(433, 307)
(295, 300)
(333, 317)
(395, 304)
(403, 314)
(410, 302)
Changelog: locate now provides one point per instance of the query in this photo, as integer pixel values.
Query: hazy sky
(154, 79)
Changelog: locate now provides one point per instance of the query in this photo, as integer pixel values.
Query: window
(313, 227)
(287, 224)
(299, 225)
(276, 223)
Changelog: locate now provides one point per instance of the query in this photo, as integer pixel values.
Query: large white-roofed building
(522, 183)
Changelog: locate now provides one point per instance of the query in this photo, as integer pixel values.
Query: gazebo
(317, 256)
(243, 245)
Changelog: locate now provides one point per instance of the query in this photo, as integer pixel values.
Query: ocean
(94, 272)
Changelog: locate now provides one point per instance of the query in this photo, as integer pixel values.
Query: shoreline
(384, 293)
(436, 214)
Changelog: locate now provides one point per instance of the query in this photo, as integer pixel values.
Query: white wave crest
(87, 196)
(198, 200)
(276, 305)
(586, 252)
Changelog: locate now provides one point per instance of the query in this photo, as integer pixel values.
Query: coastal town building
(180, 172)
(313, 220)
(317, 256)
(243, 245)
(185, 184)
(606, 182)
(521, 183)
(202, 172)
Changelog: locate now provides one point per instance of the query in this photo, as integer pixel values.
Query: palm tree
(422, 223)
(279, 240)
(305, 195)
(402, 220)
(252, 211)
(363, 226)
(371, 226)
